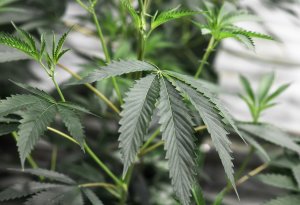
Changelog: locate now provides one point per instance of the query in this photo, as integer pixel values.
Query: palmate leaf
(215, 126)
(73, 123)
(117, 68)
(271, 134)
(171, 15)
(17, 102)
(284, 200)
(33, 125)
(177, 133)
(23, 190)
(136, 116)
(279, 181)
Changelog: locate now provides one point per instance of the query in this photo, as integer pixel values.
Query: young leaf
(92, 197)
(136, 116)
(177, 133)
(58, 177)
(117, 68)
(271, 134)
(33, 125)
(17, 102)
(59, 46)
(284, 200)
(247, 87)
(277, 92)
(265, 86)
(296, 173)
(72, 122)
(135, 17)
(28, 38)
(279, 181)
(23, 190)
(215, 126)
(171, 15)
(198, 195)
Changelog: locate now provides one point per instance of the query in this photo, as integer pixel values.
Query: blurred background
(177, 46)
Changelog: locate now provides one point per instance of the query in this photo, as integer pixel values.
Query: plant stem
(245, 163)
(53, 158)
(92, 88)
(200, 128)
(209, 49)
(151, 148)
(58, 89)
(62, 135)
(97, 184)
(151, 138)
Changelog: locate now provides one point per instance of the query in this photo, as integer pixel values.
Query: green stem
(151, 138)
(151, 148)
(102, 165)
(208, 51)
(97, 184)
(92, 88)
(58, 89)
(245, 163)
(53, 158)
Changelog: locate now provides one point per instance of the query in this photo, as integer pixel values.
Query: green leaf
(279, 181)
(276, 93)
(33, 125)
(55, 176)
(14, 42)
(203, 87)
(73, 123)
(198, 195)
(17, 102)
(171, 15)
(64, 195)
(23, 190)
(247, 87)
(259, 148)
(92, 197)
(296, 173)
(35, 91)
(7, 128)
(284, 200)
(58, 50)
(135, 17)
(178, 135)
(117, 68)
(28, 38)
(271, 134)
(251, 34)
(75, 107)
(264, 86)
(215, 126)
(6, 2)
(136, 116)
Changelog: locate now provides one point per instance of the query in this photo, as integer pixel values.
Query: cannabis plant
(176, 106)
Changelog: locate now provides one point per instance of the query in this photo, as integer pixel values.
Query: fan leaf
(178, 135)
(285, 200)
(279, 181)
(136, 116)
(92, 197)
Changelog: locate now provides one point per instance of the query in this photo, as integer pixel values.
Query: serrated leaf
(296, 173)
(206, 89)
(284, 200)
(92, 197)
(35, 91)
(23, 190)
(28, 38)
(279, 181)
(171, 15)
(132, 12)
(64, 195)
(271, 134)
(178, 135)
(117, 68)
(198, 195)
(247, 87)
(56, 176)
(251, 34)
(277, 92)
(33, 125)
(14, 42)
(136, 116)
(17, 102)
(75, 107)
(215, 126)
(73, 123)
(7, 128)
(265, 86)
(58, 50)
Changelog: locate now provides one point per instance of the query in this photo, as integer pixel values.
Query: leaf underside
(136, 116)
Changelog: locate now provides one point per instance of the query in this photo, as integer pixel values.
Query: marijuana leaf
(278, 180)
(285, 200)
(136, 116)
(92, 197)
(177, 133)
(132, 12)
